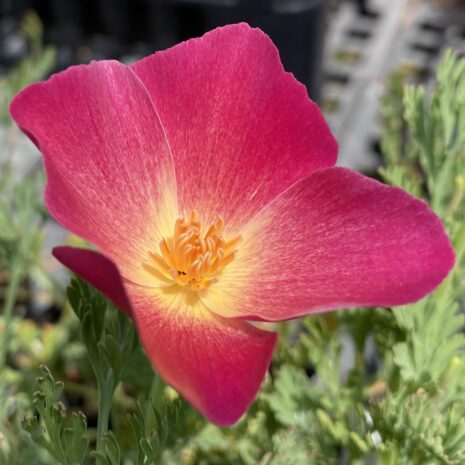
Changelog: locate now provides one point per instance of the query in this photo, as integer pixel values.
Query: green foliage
(111, 341)
(22, 217)
(328, 410)
(432, 341)
(289, 449)
(421, 419)
(108, 335)
(425, 137)
(419, 428)
(111, 454)
(21, 220)
(152, 428)
(61, 434)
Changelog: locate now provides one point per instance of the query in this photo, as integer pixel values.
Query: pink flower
(206, 178)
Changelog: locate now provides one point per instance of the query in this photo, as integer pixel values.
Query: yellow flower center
(193, 257)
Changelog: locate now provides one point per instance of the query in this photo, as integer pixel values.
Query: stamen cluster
(193, 258)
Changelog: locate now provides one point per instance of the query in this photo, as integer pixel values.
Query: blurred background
(340, 49)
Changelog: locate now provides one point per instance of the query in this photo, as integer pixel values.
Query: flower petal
(336, 239)
(240, 128)
(98, 270)
(217, 364)
(110, 176)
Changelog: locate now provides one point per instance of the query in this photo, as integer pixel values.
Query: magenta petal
(98, 270)
(336, 239)
(217, 364)
(110, 176)
(240, 128)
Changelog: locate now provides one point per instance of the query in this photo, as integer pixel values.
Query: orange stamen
(192, 258)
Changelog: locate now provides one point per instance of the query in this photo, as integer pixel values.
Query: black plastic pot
(297, 27)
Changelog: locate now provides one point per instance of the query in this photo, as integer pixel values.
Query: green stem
(8, 307)
(106, 388)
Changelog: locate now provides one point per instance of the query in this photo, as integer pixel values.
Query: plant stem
(8, 307)
(106, 388)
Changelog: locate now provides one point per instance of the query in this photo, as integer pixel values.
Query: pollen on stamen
(193, 256)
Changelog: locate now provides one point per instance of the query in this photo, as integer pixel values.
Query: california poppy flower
(205, 176)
